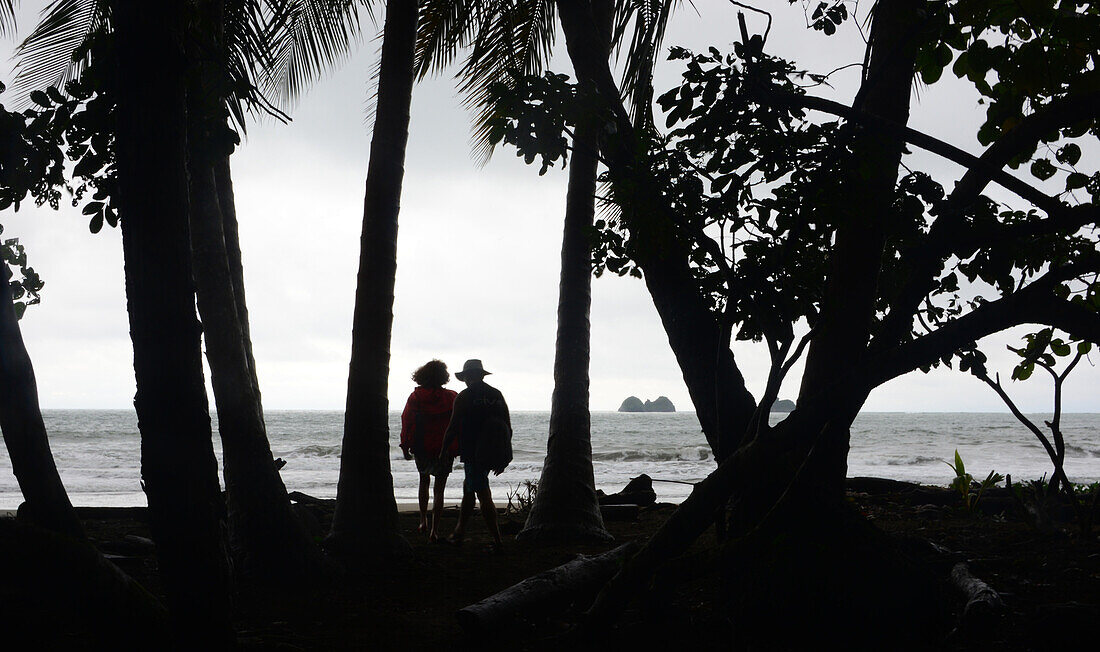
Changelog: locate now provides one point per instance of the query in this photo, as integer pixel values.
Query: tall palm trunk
(366, 513)
(566, 506)
(265, 537)
(45, 502)
(178, 467)
(223, 180)
(722, 403)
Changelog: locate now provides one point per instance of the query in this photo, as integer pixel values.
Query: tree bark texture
(566, 507)
(723, 404)
(265, 537)
(366, 512)
(178, 467)
(46, 503)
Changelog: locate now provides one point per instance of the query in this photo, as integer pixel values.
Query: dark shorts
(477, 479)
(439, 467)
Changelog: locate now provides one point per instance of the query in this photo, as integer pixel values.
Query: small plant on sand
(1036, 501)
(521, 497)
(1043, 350)
(964, 483)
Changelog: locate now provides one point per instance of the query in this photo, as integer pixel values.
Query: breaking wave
(692, 454)
(317, 450)
(912, 461)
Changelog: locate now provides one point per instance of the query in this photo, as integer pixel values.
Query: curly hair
(432, 374)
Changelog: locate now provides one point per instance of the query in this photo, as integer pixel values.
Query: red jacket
(425, 419)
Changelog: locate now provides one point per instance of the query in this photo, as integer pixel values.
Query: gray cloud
(478, 256)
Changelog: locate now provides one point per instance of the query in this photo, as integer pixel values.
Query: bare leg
(464, 515)
(422, 495)
(489, 513)
(437, 506)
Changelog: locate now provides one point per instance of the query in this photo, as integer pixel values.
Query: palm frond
(445, 27)
(512, 38)
(244, 56)
(7, 17)
(57, 50)
(505, 38)
(646, 21)
(307, 38)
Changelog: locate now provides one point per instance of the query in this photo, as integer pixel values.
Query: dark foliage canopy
(755, 183)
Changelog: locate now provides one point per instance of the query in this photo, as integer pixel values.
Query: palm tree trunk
(366, 513)
(223, 179)
(266, 539)
(178, 467)
(722, 403)
(46, 503)
(566, 507)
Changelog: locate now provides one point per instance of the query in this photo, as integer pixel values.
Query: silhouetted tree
(46, 502)
(566, 506)
(179, 471)
(366, 512)
(267, 540)
(233, 47)
(842, 240)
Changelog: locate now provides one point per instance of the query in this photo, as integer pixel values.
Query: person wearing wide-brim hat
(472, 369)
(483, 427)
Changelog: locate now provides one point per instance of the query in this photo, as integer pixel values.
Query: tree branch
(1036, 303)
(945, 236)
(922, 140)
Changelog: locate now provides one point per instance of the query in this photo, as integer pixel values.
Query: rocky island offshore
(783, 405)
(634, 404)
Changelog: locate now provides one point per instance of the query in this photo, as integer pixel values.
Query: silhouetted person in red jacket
(483, 427)
(425, 419)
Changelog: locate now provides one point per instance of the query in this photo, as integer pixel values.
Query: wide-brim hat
(471, 367)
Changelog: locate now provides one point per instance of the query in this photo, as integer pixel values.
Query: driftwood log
(619, 512)
(982, 600)
(544, 595)
(639, 491)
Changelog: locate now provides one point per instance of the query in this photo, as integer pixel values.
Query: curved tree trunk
(799, 461)
(223, 180)
(266, 540)
(863, 225)
(722, 403)
(46, 503)
(178, 467)
(565, 506)
(60, 572)
(366, 513)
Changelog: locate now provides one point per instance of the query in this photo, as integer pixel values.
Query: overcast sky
(478, 256)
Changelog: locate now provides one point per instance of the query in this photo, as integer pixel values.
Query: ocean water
(97, 451)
